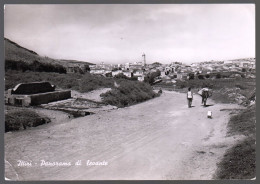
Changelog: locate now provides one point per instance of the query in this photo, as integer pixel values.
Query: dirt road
(158, 139)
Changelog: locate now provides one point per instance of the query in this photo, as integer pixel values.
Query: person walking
(205, 94)
(189, 97)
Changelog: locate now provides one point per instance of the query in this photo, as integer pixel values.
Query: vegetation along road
(159, 139)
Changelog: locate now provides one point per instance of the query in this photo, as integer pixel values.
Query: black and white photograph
(129, 92)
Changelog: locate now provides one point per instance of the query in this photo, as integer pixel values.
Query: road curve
(160, 139)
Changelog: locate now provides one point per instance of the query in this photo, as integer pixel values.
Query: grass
(239, 162)
(243, 123)
(17, 119)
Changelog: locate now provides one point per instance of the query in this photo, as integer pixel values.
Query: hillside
(15, 52)
(66, 62)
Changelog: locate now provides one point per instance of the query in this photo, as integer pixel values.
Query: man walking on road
(204, 93)
(189, 97)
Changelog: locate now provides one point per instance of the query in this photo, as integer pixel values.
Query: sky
(118, 33)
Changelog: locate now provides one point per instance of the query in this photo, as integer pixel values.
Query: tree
(121, 76)
(191, 76)
(200, 76)
(157, 64)
(150, 78)
(108, 74)
(87, 69)
(218, 76)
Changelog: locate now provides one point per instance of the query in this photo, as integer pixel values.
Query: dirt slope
(158, 139)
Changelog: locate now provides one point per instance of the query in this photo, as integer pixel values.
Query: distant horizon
(121, 33)
(132, 60)
(159, 61)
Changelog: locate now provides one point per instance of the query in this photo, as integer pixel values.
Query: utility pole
(144, 59)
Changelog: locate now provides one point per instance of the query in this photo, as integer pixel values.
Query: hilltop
(16, 52)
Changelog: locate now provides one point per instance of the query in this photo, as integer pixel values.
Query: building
(138, 73)
(128, 73)
(97, 71)
(140, 78)
(114, 73)
(136, 66)
(162, 74)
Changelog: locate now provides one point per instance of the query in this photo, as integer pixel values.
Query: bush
(128, 93)
(191, 76)
(35, 66)
(218, 76)
(151, 77)
(207, 76)
(21, 119)
(200, 76)
(121, 76)
(89, 82)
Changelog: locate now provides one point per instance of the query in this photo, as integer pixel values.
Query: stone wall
(43, 98)
(37, 99)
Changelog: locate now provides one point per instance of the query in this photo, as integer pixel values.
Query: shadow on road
(208, 105)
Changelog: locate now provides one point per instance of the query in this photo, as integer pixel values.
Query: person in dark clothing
(205, 94)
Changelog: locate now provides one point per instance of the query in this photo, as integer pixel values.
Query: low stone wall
(37, 99)
(43, 98)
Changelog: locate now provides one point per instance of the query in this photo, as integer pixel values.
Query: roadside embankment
(239, 162)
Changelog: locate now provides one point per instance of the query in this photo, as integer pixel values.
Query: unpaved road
(158, 139)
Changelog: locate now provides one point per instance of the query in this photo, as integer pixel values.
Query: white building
(97, 71)
(138, 73)
(128, 73)
(114, 73)
(140, 78)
